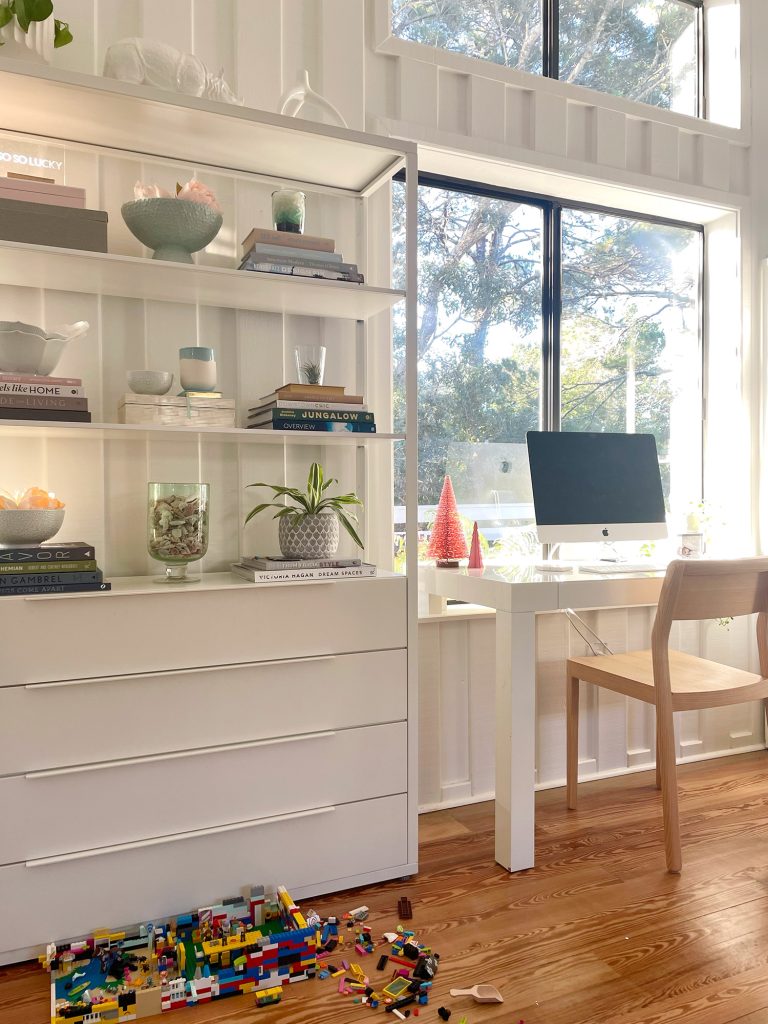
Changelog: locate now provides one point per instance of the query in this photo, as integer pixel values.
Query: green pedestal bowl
(174, 228)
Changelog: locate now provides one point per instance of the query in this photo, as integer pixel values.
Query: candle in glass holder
(197, 368)
(288, 209)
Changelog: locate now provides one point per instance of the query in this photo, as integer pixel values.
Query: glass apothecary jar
(177, 527)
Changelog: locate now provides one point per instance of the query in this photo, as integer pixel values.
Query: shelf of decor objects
(129, 586)
(93, 273)
(102, 112)
(64, 431)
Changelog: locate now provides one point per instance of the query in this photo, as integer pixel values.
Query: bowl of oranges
(29, 518)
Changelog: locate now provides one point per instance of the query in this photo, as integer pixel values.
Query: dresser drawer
(75, 809)
(68, 897)
(114, 634)
(54, 725)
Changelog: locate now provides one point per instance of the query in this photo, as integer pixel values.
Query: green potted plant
(309, 520)
(29, 30)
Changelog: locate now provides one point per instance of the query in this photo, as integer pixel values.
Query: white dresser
(224, 734)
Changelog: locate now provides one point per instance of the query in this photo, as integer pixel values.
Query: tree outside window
(629, 352)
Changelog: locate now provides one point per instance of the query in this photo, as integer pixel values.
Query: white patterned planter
(315, 537)
(36, 44)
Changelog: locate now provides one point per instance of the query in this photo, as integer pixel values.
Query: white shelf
(96, 111)
(126, 586)
(93, 273)
(211, 435)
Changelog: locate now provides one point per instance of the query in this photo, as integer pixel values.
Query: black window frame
(551, 281)
(550, 48)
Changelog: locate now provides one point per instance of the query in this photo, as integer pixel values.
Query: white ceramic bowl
(29, 525)
(150, 382)
(25, 348)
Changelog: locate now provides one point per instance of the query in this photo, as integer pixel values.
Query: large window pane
(479, 346)
(630, 338)
(506, 32)
(644, 50)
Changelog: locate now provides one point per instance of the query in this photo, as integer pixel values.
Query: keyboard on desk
(600, 568)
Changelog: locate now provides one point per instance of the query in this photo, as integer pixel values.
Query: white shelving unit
(251, 682)
(72, 270)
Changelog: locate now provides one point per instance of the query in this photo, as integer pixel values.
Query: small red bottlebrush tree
(447, 543)
(475, 554)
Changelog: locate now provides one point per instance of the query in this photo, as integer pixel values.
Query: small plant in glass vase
(309, 520)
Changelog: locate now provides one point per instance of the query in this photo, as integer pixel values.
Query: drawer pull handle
(78, 769)
(177, 672)
(140, 844)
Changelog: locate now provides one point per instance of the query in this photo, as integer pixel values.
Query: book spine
(329, 426)
(82, 565)
(49, 579)
(44, 402)
(293, 260)
(45, 415)
(41, 390)
(316, 415)
(49, 556)
(291, 270)
(266, 236)
(80, 588)
(354, 572)
(284, 404)
(29, 378)
(277, 564)
(285, 252)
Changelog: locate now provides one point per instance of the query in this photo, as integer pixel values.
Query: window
(534, 314)
(649, 51)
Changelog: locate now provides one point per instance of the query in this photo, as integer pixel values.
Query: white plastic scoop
(480, 993)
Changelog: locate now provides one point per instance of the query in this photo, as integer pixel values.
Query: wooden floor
(597, 933)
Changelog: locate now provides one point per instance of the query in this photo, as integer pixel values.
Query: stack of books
(312, 407)
(276, 569)
(54, 568)
(29, 397)
(282, 252)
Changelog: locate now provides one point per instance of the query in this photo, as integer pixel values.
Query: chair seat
(696, 682)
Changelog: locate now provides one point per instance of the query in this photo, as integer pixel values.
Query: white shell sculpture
(146, 62)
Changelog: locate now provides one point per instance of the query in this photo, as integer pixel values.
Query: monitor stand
(608, 561)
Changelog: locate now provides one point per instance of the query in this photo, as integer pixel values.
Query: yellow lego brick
(250, 986)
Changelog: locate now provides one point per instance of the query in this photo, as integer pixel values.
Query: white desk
(518, 594)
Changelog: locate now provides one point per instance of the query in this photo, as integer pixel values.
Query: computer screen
(593, 487)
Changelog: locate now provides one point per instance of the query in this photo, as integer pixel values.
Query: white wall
(495, 125)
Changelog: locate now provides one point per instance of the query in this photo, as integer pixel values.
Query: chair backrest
(712, 590)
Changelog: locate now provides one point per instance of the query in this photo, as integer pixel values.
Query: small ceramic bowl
(150, 382)
(174, 228)
(29, 525)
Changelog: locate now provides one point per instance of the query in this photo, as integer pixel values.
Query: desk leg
(515, 738)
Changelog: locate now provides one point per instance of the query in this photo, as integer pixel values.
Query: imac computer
(595, 487)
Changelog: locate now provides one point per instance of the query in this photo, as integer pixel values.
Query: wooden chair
(679, 682)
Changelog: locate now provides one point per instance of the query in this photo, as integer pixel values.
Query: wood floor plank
(596, 933)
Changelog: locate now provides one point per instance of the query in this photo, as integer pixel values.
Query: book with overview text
(297, 575)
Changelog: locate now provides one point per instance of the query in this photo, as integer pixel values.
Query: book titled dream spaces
(297, 575)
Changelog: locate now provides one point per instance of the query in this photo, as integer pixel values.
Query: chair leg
(658, 752)
(666, 752)
(572, 741)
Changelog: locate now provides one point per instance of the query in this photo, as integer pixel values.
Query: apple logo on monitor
(605, 531)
